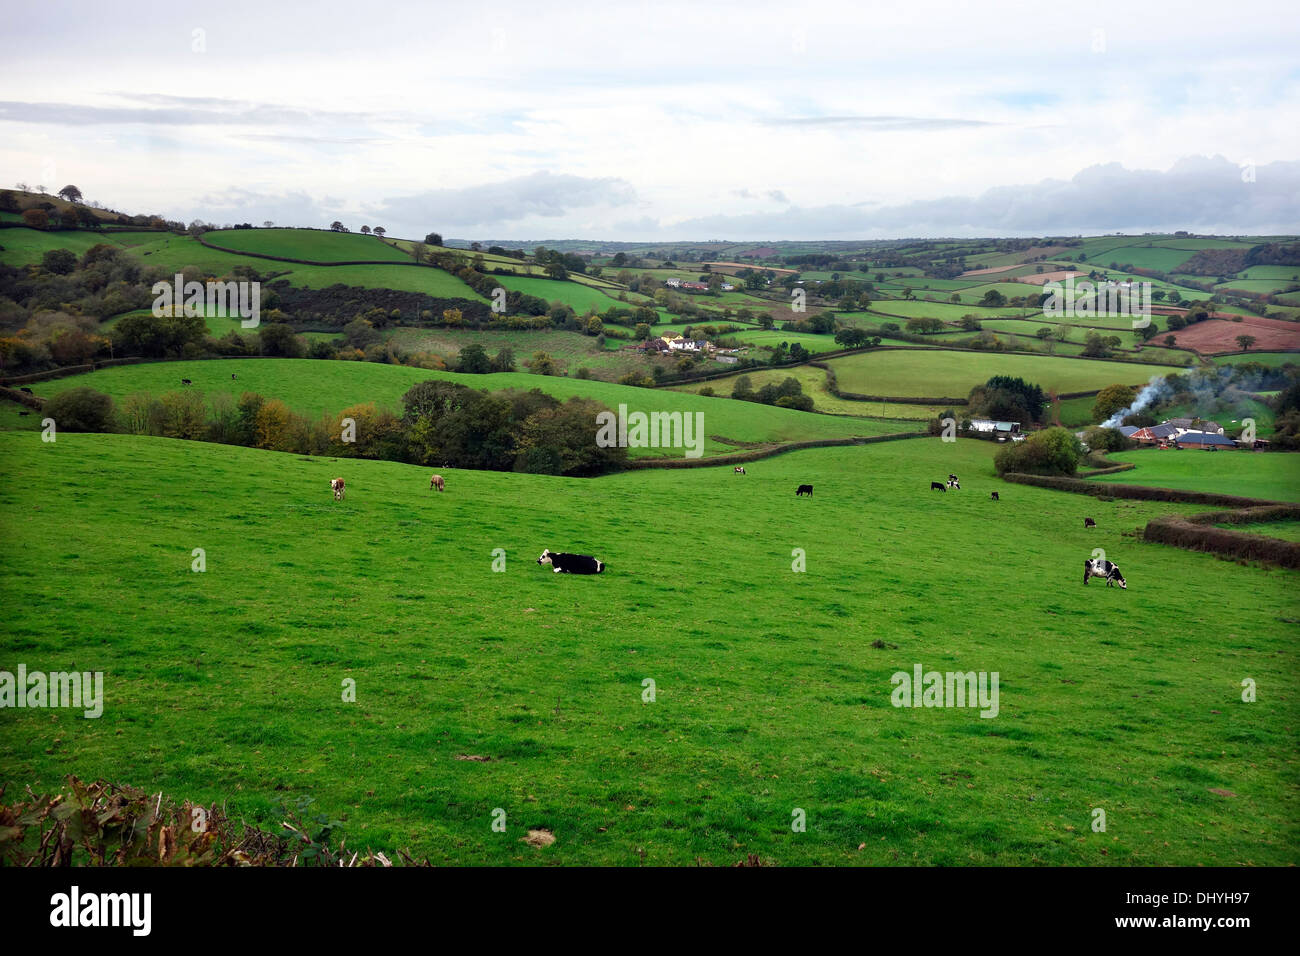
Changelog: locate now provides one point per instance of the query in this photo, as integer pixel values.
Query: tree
(278, 339)
(365, 230)
(505, 360)
(36, 219)
(1245, 341)
(70, 193)
(59, 261)
(743, 389)
(433, 239)
(641, 332)
(543, 364)
(474, 360)
(994, 298)
(1170, 340)
(380, 231)
(8, 201)
(337, 226)
(1112, 399)
(851, 338)
(80, 409)
(595, 326)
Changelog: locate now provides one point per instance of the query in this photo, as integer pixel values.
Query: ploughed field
(770, 697)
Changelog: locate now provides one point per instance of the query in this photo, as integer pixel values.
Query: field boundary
(1189, 532)
(1099, 489)
(741, 458)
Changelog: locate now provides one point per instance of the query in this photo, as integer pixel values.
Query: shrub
(80, 409)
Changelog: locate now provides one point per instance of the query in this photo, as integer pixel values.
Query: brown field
(987, 272)
(1044, 277)
(1219, 335)
(731, 268)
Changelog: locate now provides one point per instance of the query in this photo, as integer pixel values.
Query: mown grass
(581, 298)
(226, 685)
(313, 387)
(1271, 475)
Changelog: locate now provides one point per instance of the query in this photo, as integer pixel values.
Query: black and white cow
(571, 563)
(954, 484)
(1101, 568)
(937, 486)
(1089, 523)
(803, 489)
(995, 496)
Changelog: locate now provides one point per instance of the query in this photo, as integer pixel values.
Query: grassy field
(813, 381)
(1271, 475)
(313, 387)
(22, 247)
(428, 280)
(1286, 530)
(953, 374)
(315, 245)
(580, 297)
(769, 699)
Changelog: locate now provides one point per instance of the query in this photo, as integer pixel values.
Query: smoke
(1151, 392)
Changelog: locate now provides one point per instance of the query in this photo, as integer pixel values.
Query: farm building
(1155, 434)
(673, 283)
(1204, 440)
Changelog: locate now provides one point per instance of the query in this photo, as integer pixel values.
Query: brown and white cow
(337, 486)
(436, 482)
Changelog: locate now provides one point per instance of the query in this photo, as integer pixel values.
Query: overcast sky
(699, 120)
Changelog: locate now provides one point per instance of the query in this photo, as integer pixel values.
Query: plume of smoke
(1151, 392)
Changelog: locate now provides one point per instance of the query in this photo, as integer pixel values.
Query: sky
(665, 121)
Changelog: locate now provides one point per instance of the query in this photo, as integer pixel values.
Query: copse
(1006, 398)
(80, 409)
(1052, 451)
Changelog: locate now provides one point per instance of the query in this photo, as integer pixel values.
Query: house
(676, 343)
(1127, 430)
(673, 283)
(987, 425)
(1190, 424)
(1205, 440)
(695, 286)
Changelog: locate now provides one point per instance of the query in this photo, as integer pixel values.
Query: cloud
(180, 111)
(284, 209)
(541, 194)
(1195, 193)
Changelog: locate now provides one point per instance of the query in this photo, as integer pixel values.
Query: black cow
(186, 381)
(232, 374)
(1089, 523)
(937, 486)
(24, 413)
(1100, 568)
(571, 563)
(802, 489)
(24, 388)
(995, 496)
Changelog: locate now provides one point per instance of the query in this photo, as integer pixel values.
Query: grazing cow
(436, 482)
(1100, 568)
(571, 563)
(803, 489)
(337, 486)
(995, 496)
(186, 381)
(952, 483)
(232, 374)
(1089, 523)
(740, 469)
(952, 477)
(24, 388)
(937, 486)
(24, 413)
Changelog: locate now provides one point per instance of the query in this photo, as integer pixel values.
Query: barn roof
(1204, 438)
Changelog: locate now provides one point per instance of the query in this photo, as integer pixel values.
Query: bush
(1106, 439)
(80, 409)
(1053, 451)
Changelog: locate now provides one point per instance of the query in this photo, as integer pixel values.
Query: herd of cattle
(563, 562)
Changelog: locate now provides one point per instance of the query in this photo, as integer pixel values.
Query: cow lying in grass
(1101, 568)
(571, 563)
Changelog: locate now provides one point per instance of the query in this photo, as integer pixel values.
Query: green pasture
(1273, 475)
